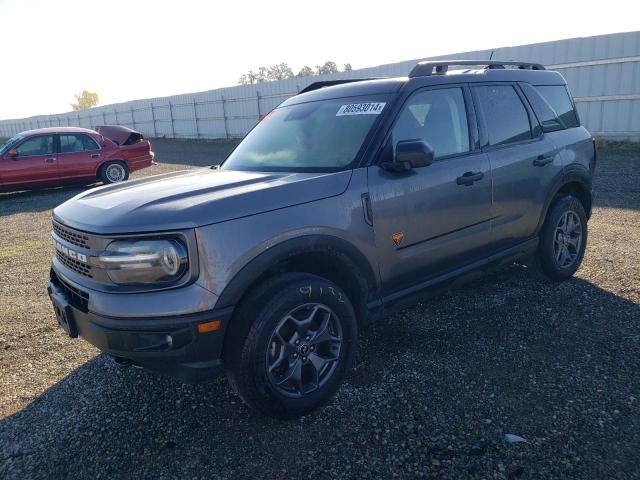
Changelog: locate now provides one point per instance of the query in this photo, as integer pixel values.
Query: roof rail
(329, 83)
(424, 69)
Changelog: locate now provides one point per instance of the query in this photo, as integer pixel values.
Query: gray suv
(342, 203)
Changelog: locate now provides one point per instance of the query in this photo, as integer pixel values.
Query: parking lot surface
(435, 391)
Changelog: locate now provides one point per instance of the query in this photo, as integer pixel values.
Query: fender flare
(322, 243)
(574, 173)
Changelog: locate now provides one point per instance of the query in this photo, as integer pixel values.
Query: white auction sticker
(361, 109)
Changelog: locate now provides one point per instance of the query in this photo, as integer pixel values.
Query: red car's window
(77, 143)
(42, 145)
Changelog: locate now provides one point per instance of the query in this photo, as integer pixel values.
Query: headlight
(131, 262)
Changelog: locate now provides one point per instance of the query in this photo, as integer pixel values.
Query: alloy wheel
(304, 350)
(567, 239)
(115, 173)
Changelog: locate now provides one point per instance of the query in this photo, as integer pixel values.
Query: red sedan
(56, 156)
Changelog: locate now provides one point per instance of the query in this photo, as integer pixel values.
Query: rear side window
(439, 118)
(77, 143)
(505, 115)
(558, 97)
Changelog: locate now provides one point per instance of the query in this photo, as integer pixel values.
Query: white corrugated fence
(603, 73)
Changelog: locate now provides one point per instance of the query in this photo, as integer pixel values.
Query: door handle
(542, 160)
(95, 155)
(50, 159)
(468, 178)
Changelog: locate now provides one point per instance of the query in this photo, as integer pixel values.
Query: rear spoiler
(330, 83)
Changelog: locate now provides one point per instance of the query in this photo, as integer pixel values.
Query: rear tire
(113, 171)
(290, 344)
(563, 239)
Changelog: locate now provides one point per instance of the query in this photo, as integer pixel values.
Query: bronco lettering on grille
(81, 257)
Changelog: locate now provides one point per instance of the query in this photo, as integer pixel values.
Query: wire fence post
(173, 128)
(104, 118)
(224, 117)
(133, 118)
(258, 105)
(115, 112)
(153, 120)
(195, 118)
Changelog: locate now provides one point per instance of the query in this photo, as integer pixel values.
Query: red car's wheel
(114, 172)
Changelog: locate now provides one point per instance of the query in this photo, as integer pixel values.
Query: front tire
(290, 344)
(114, 171)
(563, 239)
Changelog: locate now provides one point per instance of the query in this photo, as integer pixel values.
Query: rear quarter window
(557, 96)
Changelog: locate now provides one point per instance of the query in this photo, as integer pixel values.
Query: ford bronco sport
(342, 202)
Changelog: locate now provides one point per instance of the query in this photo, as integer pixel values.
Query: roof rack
(440, 67)
(329, 83)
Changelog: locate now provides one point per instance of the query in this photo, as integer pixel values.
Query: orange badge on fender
(397, 238)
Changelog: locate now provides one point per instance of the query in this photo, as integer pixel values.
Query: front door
(432, 219)
(36, 163)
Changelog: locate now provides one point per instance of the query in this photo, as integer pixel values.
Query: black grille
(76, 266)
(76, 297)
(71, 236)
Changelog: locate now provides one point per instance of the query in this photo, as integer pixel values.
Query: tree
(267, 73)
(306, 71)
(85, 100)
(327, 68)
(282, 71)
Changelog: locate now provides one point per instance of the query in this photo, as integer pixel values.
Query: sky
(133, 49)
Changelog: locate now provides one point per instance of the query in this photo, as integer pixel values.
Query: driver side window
(439, 118)
(42, 145)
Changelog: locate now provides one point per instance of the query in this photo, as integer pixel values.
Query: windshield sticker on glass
(361, 109)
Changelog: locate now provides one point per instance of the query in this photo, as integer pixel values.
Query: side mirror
(410, 154)
(12, 154)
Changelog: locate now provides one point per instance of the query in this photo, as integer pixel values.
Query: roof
(38, 131)
(353, 87)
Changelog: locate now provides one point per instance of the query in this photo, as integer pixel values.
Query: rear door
(79, 155)
(36, 162)
(436, 218)
(524, 162)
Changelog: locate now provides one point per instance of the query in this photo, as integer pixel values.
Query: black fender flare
(574, 173)
(320, 243)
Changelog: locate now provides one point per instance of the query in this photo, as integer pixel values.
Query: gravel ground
(435, 390)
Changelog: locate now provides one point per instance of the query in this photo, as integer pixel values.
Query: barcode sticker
(361, 109)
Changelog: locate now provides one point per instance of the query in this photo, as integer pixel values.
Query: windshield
(7, 145)
(317, 136)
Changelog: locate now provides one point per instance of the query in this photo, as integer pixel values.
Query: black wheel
(113, 172)
(563, 239)
(290, 344)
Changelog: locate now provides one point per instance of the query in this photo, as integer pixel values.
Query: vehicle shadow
(510, 353)
(37, 200)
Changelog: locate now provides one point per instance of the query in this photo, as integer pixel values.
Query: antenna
(491, 56)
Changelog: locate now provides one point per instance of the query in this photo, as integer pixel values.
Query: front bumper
(170, 345)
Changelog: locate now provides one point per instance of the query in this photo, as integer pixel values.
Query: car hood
(193, 198)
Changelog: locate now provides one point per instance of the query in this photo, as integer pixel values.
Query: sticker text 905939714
(372, 108)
